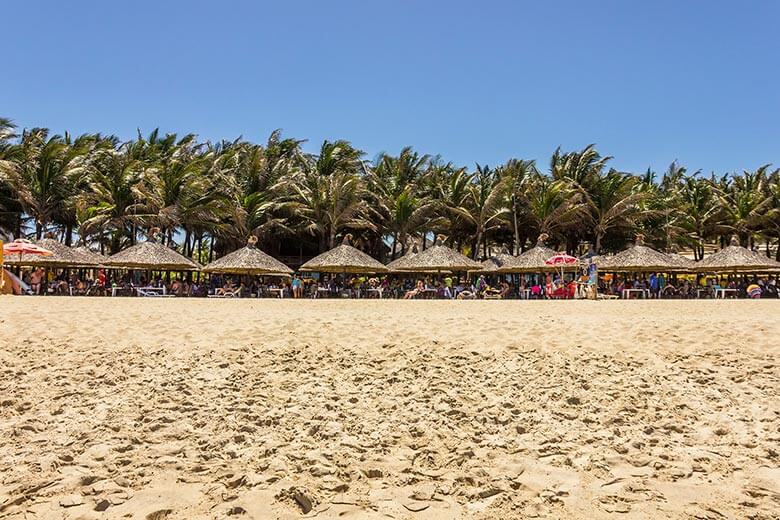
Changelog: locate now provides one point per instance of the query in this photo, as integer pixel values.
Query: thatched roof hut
(438, 258)
(151, 255)
(737, 259)
(638, 258)
(344, 259)
(531, 261)
(62, 256)
(249, 260)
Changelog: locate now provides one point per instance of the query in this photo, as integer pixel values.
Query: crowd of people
(446, 286)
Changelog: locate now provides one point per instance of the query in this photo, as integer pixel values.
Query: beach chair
(146, 293)
(222, 293)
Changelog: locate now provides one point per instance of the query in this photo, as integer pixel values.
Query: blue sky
(649, 82)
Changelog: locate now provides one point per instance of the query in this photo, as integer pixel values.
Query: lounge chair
(226, 293)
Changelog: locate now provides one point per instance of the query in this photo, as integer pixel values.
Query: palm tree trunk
(69, 235)
(395, 242)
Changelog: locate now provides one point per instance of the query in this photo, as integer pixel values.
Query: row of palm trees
(206, 198)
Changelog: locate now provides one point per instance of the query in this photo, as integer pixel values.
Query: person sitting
(418, 290)
(468, 293)
(225, 289)
(669, 291)
(36, 279)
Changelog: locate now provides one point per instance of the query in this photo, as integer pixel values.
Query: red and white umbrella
(21, 247)
(561, 259)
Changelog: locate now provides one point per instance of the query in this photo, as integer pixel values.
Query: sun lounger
(222, 293)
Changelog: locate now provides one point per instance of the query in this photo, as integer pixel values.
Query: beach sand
(185, 408)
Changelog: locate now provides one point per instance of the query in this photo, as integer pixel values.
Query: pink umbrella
(561, 259)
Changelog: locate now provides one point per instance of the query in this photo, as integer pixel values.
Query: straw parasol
(61, 255)
(438, 258)
(344, 259)
(638, 258)
(496, 262)
(249, 260)
(532, 261)
(151, 255)
(88, 257)
(682, 263)
(398, 264)
(737, 259)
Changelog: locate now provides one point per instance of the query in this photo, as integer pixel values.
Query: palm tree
(581, 168)
(10, 154)
(396, 205)
(518, 174)
(328, 195)
(552, 208)
(256, 181)
(108, 207)
(47, 172)
(744, 203)
(772, 222)
(614, 203)
(484, 207)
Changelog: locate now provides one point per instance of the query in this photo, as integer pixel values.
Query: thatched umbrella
(737, 259)
(344, 259)
(89, 258)
(398, 264)
(682, 263)
(151, 256)
(496, 262)
(532, 261)
(62, 255)
(637, 258)
(249, 260)
(440, 258)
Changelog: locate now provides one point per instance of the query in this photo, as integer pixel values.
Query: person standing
(654, 285)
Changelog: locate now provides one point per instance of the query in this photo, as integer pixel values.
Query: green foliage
(209, 196)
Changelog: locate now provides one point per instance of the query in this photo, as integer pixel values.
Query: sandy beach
(186, 408)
